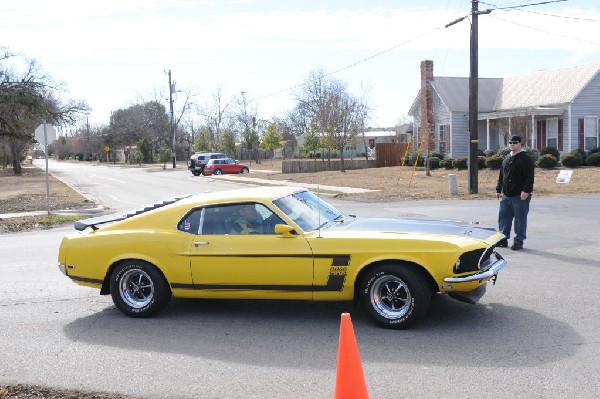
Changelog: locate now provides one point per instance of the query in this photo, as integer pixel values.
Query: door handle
(196, 243)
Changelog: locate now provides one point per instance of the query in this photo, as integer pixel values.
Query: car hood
(461, 229)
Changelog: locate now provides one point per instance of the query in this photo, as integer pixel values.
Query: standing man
(514, 188)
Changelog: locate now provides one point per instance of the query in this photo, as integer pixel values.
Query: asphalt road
(535, 334)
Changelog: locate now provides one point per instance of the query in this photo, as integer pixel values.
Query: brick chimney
(427, 117)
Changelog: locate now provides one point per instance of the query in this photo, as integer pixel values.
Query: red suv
(221, 166)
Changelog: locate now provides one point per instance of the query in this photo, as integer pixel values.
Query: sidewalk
(313, 187)
(88, 211)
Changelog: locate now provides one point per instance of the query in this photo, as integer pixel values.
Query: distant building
(366, 141)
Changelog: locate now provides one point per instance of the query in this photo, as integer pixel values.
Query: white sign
(564, 176)
(50, 134)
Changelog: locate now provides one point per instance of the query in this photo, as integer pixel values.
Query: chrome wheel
(390, 297)
(136, 288)
(395, 294)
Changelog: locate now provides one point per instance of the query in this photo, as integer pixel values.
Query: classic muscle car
(278, 243)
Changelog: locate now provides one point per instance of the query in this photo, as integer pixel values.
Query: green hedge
(593, 159)
(547, 161)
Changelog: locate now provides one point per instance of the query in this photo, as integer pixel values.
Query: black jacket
(516, 175)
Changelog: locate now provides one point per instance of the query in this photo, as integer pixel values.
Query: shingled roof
(538, 89)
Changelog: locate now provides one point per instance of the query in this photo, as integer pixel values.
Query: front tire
(196, 173)
(138, 289)
(244, 171)
(395, 295)
(218, 172)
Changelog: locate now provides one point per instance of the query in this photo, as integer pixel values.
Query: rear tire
(139, 289)
(196, 173)
(395, 295)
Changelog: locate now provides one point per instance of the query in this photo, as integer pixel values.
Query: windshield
(307, 210)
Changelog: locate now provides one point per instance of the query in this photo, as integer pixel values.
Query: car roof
(186, 201)
(261, 193)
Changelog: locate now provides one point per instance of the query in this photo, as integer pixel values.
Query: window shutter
(580, 133)
(560, 135)
(538, 135)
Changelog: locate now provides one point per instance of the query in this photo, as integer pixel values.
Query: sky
(116, 53)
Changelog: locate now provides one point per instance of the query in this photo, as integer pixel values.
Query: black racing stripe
(335, 282)
(242, 287)
(86, 280)
(338, 260)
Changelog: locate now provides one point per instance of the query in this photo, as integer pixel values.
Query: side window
(213, 221)
(251, 218)
(191, 222)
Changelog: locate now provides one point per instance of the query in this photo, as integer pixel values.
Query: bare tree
(217, 116)
(28, 98)
(339, 115)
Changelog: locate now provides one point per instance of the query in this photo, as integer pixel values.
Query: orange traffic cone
(349, 378)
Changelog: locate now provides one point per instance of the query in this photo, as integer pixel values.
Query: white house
(558, 108)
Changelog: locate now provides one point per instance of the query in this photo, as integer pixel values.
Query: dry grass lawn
(403, 183)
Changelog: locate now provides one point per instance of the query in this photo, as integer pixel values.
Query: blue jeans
(517, 209)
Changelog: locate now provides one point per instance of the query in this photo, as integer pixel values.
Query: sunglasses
(514, 142)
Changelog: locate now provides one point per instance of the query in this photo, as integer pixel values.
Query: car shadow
(305, 334)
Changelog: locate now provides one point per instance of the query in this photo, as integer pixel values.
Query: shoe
(502, 243)
(516, 246)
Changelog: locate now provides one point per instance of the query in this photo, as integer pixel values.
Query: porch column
(569, 124)
(487, 145)
(533, 131)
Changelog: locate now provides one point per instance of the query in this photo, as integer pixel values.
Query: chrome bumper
(492, 271)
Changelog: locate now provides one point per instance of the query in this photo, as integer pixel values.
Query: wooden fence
(318, 165)
(389, 154)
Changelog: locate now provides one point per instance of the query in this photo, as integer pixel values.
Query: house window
(591, 133)
(552, 130)
(442, 137)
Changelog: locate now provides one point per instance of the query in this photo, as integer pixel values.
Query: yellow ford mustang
(278, 243)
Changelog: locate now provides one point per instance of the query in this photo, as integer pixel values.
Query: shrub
(437, 154)
(593, 159)
(494, 162)
(489, 153)
(480, 162)
(550, 150)
(503, 152)
(571, 160)
(547, 161)
(447, 163)
(581, 153)
(593, 151)
(434, 163)
(460, 163)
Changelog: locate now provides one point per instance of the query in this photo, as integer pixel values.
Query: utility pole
(473, 92)
(172, 124)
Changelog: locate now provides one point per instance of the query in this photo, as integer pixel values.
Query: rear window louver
(81, 225)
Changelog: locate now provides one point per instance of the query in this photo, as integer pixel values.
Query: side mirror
(236, 161)
(285, 230)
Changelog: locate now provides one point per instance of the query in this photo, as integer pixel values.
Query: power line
(353, 64)
(545, 31)
(560, 16)
(523, 5)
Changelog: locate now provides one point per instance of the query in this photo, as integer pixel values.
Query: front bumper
(499, 264)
